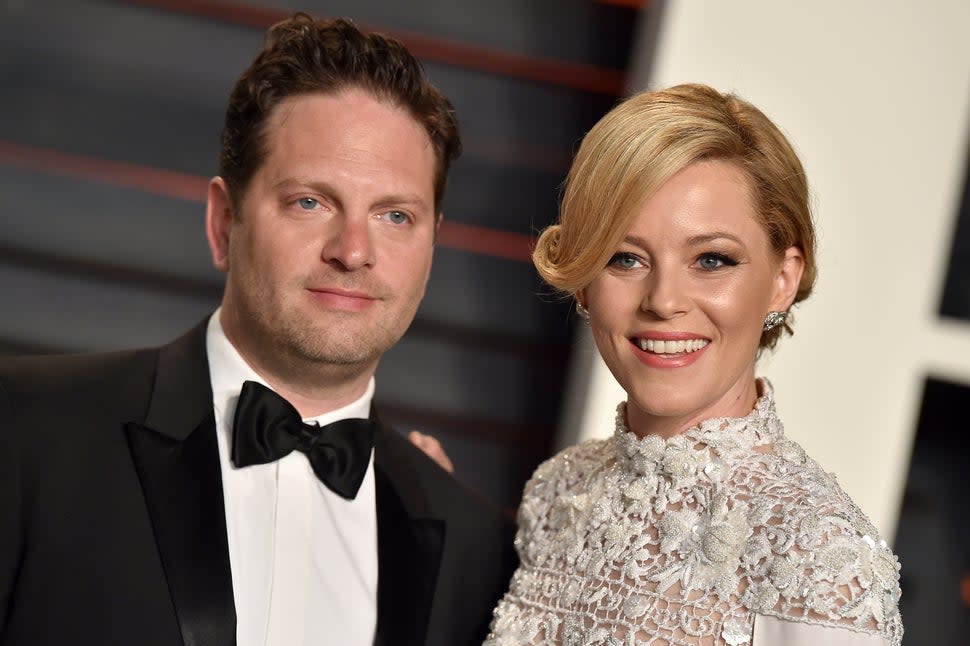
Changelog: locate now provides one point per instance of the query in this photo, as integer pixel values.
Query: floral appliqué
(641, 541)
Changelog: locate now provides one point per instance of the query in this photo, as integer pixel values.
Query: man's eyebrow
(402, 198)
(323, 186)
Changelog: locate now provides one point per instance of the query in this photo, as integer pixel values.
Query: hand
(432, 447)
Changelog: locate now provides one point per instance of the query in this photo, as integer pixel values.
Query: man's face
(330, 249)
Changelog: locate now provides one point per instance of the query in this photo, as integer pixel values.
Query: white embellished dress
(725, 534)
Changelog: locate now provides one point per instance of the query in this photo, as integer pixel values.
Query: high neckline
(720, 436)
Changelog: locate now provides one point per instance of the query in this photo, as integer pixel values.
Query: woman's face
(678, 310)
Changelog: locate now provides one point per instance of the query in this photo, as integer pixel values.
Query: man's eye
(624, 261)
(307, 203)
(397, 217)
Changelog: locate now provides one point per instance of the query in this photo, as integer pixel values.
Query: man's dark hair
(302, 55)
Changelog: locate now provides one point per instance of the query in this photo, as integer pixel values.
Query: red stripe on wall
(488, 242)
(576, 76)
(192, 188)
(157, 181)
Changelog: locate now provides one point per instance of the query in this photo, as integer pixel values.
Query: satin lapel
(410, 541)
(177, 458)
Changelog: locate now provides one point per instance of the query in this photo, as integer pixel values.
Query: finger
(433, 449)
(420, 440)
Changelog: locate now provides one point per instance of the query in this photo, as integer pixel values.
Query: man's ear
(218, 222)
(787, 279)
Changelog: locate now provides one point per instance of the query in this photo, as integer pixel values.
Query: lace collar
(706, 445)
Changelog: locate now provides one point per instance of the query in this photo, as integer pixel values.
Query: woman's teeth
(671, 347)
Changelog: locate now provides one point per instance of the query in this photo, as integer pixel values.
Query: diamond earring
(582, 311)
(773, 320)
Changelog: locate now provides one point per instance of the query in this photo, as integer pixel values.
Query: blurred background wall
(109, 127)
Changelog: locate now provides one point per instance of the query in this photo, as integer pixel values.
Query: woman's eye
(307, 203)
(397, 217)
(711, 261)
(624, 261)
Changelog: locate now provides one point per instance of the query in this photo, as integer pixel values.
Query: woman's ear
(787, 280)
(218, 222)
(580, 297)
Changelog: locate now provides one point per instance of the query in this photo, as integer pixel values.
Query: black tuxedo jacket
(112, 523)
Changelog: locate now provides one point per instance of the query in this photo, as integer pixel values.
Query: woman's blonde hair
(639, 145)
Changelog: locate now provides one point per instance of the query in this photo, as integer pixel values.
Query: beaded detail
(640, 541)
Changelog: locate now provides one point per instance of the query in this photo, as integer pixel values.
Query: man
(168, 496)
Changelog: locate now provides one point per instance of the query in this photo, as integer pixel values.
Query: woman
(685, 237)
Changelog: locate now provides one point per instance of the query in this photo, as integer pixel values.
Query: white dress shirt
(303, 559)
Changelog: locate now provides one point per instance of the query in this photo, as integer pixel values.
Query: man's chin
(337, 354)
(337, 342)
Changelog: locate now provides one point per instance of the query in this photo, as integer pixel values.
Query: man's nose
(349, 243)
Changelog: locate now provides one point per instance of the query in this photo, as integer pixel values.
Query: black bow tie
(267, 427)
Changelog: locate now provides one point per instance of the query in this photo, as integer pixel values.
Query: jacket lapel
(177, 458)
(410, 541)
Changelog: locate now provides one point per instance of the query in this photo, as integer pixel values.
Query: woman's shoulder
(825, 561)
(563, 476)
(807, 508)
(576, 461)
(832, 572)
(783, 470)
